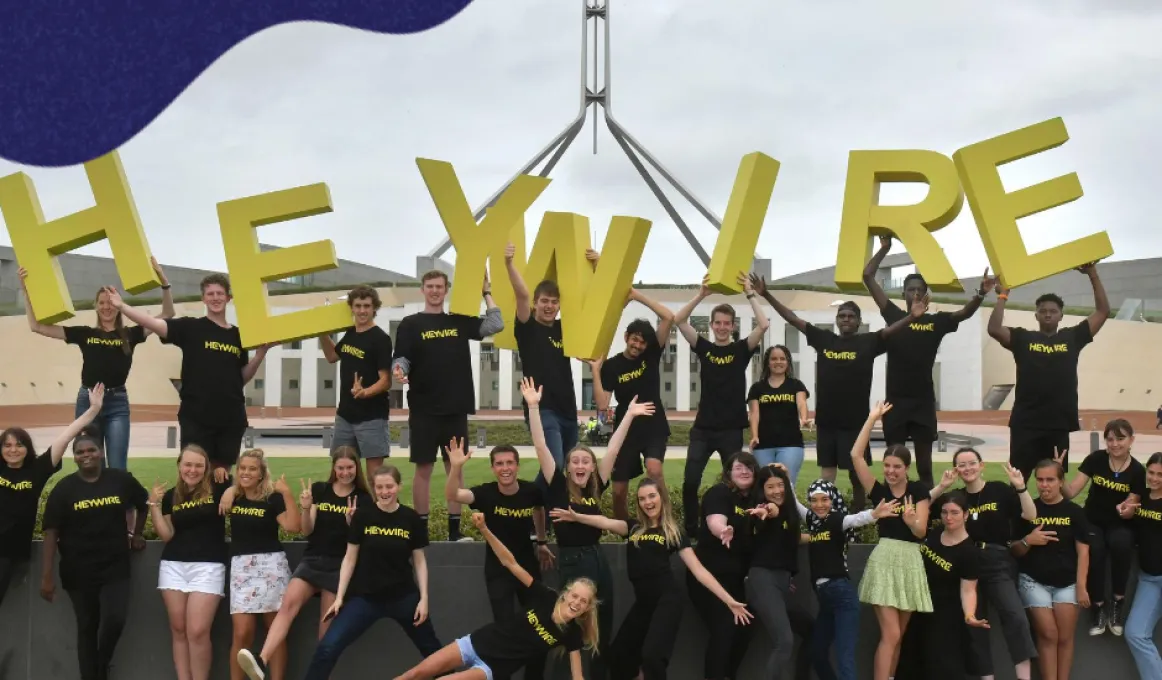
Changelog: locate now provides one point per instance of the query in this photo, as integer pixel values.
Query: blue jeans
(560, 435)
(357, 615)
(838, 624)
(791, 456)
(1144, 615)
(114, 423)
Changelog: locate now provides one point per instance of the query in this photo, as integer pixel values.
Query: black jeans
(587, 562)
(703, 444)
(1029, 447)
(646, 638)
(10, 571)
(997, 589)
(358, 615)
(503, 591)
(1112, 543)
(726, 642)
(100, 613)
(768, 595)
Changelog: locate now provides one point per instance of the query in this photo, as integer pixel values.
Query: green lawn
(149, 470)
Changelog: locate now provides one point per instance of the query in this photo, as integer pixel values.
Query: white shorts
(257, 582)
(192, 577)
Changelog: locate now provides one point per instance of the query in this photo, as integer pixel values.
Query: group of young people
(739, 541)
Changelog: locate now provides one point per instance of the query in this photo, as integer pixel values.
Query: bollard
(328, 437)
(404, 436)
(262, 412)
(248, 439)
(171, 437)
(280, 412)
(1094, 441)
(941, 443)
(481, 435)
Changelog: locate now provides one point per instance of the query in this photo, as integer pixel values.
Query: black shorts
(1029, 447)
(430, 435)
(833, 448)
(629, 460)
(902, 425)
(319, 572)
(222, 444)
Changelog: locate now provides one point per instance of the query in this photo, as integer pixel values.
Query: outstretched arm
(987, 283)
(917, 310)
(873, 266)
(858, 464)
(503, 554)
(703, 576)
(682, 316)
(996, 328)
(613, 526)
(1101, 302)
(137, 316)
(523, 303)
(96, 399)
(760, 288)
(665, 316)
(605, 468)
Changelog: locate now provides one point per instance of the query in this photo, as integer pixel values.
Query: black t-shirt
(647, 554)
(627, 378)
(993, 513)
(328, 538)
(827, 551)
(1107, 489)
(844, 367)
(20, 490)
(717, 558)
(212, 363)
(103, 355)
(506, 646)
(1148, 524)
(1055, 564)
(1046, 391)
(725, 369)
(366, 353)
(894, 527)
(947, 565)
(254, 525)
(386, 541)
(199, 531)
(90, 520)
(542, 358)
(778, 412)
(912, 353)
(776, 545)
(574, 534)
(438, 350)
(511, 519)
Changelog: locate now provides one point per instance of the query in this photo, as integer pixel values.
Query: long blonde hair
(666, 521)
(587, 621)
(265, 485)
(593, 487)
(181, 491)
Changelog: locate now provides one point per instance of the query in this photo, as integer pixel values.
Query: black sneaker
(251, 665)
(1098, 620)
(1118, 616)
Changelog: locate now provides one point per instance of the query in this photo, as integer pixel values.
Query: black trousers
(503, 592)
(646, 638)
(703, 444)
(768, 595)
(936, 646)
(726, 642)
(9, 569)
(913, 422)
(997, 600)
(1029, 447)
(1110, 544)
(100, 613)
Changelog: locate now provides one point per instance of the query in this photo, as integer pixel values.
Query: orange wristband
(1002, 296)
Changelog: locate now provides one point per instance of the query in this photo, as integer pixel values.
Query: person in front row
(385, 571)
(562, 621)
(1147, 608)
(84, 518)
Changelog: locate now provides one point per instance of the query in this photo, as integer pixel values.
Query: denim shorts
(469, 657)
(1040, 596)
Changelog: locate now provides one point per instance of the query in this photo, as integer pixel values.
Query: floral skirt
(257, 582)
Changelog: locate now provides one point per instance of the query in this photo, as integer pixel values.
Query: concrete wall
(37, 639)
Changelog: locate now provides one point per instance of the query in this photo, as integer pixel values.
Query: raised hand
(357, 386)
(97, 396)
(22, 274)
(1040, 536)
(158, 492)
(704, 289)
(639, 409)
(563, 514)
(919, 307)
(909, 513)
(509, 253)
(744, 281)
(758, 284)
(881, 408)
(592, 255)
(478, 520)
(885, 509)
(352, 506)
(158, 270)
(114, 297)
(1016, 477)
(281, 486)
(948, 478)
(457, 455)
(987, 283)
(531, 392)
(595, 365)
(1001, 288)
(885, 242)
(1059, 456)
(1087, 267)
(306, 499)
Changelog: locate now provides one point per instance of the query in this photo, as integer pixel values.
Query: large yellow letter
(591, 301)
(38, 243)
(734, 249)
(996, 212)
(863, 216)
(473, 243)
(250, 269)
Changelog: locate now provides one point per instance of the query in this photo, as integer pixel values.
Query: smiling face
(1118, 443)
(215, 297)
(967, 466)
(1154, 476)
(14, 451)
(722, 326)
(635, 345)
(87, 455)
(741, 475)
(778, 361)
(650, 501)
(775, 490)
(386, 489)
(249, 473)
(820, 504)
(435, 290)
(106, 312)
(575, 601)
(953, 516)
(895, 471)
(546, 307)
(346, 470)
(192, 468)
(847, 321)
(363, 311)
(580, 466)
(505, 467)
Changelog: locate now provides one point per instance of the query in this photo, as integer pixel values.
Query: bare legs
(298, 592)
(443, 661)
(190, 617)
(1054, 629)
(893, 623)
(244, 627)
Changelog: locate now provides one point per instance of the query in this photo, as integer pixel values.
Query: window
(791, 339)
(669, 388)
(693, 386)
(328, 384)
(293, 384)
(258, 383)
(297, 344)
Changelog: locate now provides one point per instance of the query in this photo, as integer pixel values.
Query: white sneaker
(465, 539)
(251, 665)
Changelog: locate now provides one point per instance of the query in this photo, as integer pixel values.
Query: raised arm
(1101, 302)
(150, 323)
(600, 396)
(996, 328)
(532, 395)
(503, 554)
(869, 273)
(167, 310)
(519, 288)
(613, 526)
(328, 346)
(858, 464)
(251, 366)
(682, 316)
(665, 316)
(62, 441)
(162, 523)
(987, 283)
(492, 322)
(760, 288)
(762, 323)
(47, 330)
(289, 519)
(457, 458)
(605, 468)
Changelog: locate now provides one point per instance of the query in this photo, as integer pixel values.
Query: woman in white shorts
(192, 575)
(259, 571)
(1054, 565)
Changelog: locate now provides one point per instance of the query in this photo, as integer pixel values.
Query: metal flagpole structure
(595, 92)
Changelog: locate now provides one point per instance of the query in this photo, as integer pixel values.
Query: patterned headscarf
(838, 506)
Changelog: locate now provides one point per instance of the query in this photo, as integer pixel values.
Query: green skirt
(894, 577)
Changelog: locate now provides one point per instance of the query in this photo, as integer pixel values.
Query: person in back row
(433, 357)
(364, 357)
(215, 368)
(107, 356)
(845, 364)
(777, 411)
(1045, 399)
(635, 373)
(724, 367)
(911, 357)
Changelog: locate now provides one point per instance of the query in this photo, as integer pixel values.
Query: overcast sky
(698, 83)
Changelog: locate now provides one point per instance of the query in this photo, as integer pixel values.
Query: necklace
(1119, 471)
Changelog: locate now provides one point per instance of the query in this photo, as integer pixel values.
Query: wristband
(1021, 490)
(750, 296)
(1002, 296)
(1025, 542)
(485, 293)
(541, 541)
(167, 286)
